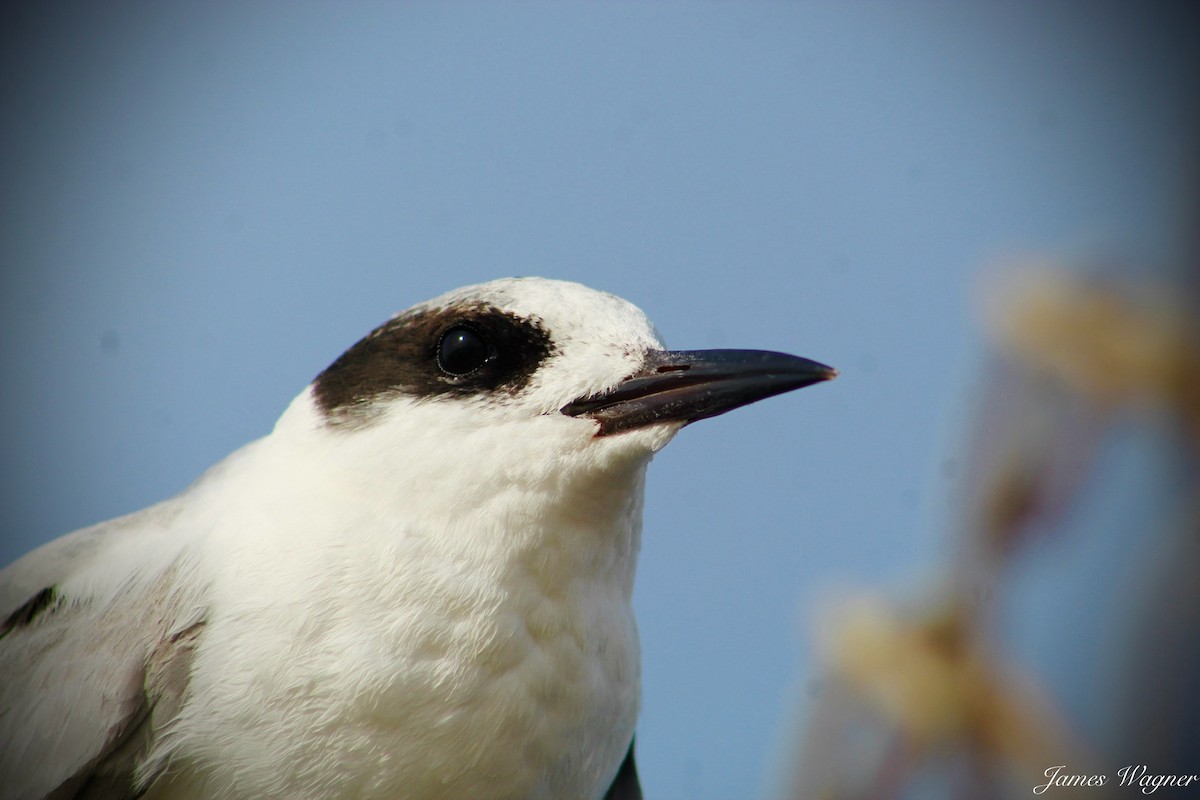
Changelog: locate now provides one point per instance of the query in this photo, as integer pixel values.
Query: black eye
(461, 351)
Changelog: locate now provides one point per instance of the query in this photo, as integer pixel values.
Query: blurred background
(204, 204)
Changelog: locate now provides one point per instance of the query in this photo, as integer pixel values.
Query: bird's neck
(489, 497)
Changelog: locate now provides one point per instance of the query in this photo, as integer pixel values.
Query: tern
(417, 586)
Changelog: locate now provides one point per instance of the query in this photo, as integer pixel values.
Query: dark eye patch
(471, 350)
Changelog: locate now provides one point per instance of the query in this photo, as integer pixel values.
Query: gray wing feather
(87, 684)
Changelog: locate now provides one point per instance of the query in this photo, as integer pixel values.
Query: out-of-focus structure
(925, 697)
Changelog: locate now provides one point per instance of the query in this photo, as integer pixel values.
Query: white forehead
(570, 311)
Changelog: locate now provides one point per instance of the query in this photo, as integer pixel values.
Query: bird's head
(527, 381)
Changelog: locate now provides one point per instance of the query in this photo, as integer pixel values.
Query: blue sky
(205, 203)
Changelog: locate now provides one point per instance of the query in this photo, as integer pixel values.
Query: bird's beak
(688, 385)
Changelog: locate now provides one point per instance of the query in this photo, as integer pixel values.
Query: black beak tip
(822, 372)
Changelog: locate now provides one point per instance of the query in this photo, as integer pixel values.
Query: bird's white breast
(361, 648)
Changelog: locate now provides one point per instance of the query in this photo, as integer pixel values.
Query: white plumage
(416, 586)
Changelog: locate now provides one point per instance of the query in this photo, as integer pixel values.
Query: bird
(417, 585)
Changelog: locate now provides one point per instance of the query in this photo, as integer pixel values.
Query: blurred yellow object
(930, 691)
(934, 681)
(1115, 344)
